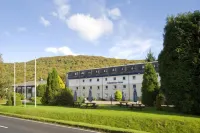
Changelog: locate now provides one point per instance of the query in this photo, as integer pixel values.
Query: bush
(9, 100)
(64, 97)
(118, 95)
(38, 100)
(19, 97)
(159, 101)
(81, 99)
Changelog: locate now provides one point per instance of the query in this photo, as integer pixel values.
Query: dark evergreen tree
(55, 86)
(179, 62)
(150, 57)
(150, 87)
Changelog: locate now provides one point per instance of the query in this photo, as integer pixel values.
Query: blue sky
(114, 28)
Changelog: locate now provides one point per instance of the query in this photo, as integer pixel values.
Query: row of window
(106, 87)
(114, 78)
(113, 70)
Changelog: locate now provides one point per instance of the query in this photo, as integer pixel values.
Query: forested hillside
(63, 64)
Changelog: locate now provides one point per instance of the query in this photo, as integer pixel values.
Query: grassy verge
(75, 124)
(110, 117)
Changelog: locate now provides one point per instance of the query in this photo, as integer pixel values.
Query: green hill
(63, 64)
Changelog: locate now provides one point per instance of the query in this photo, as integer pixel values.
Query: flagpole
(14, 87)
(35, 82)
(25, 83)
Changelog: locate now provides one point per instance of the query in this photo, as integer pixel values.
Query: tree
(54, 84)
(61, 83)
(150, 86)
(118, 95)
(48, 94)
(150, 57)
(5, 80)
(40, 90)
(179, 62)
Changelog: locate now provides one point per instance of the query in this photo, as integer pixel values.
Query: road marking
(3, 126)
(49, 124)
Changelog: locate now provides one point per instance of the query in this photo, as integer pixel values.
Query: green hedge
(142, 121)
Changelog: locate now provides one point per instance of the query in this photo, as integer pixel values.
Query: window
(98, 87)
(134, 86)
(75, 73)
(97, 71)
(106, 79)
(29, 90)
(133, 68)
(114, 78)
(83, 80)
(115, 86)
(90, 80)
(124, 78)
(106, 88)
(83, 88)
(124, 86)
(122, 69)
(90, 87)
(113, 69)
(104, 70)
(82, 73)
(77, 88)
(134, 77)
(97, 79)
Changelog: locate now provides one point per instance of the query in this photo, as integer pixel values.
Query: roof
(31, 83)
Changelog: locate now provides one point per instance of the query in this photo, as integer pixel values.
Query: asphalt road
(16, 125)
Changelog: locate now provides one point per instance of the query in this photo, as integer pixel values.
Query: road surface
(16, 125)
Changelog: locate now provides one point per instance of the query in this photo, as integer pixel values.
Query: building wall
(104, 87)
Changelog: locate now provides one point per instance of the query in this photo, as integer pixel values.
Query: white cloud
(62, 50)
(54, 14)
(45, 22)
(134, 45)
(21, 29)
(114, 13)
(132, 48)
(62, 9)
(90, 28)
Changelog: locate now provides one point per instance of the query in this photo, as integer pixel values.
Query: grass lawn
(148, 120)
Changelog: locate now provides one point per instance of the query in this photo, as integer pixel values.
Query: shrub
(81, 99)
(38, 100)
(64, 97)
(159, 101)
(19, 97)
(9, 100)
(118, 95)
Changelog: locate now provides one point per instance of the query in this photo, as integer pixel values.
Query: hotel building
(105, 81)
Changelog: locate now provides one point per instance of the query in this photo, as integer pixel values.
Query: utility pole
(14, 88)
(35, 83)
(25, 84)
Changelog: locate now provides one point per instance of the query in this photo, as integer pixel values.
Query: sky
(124, 29)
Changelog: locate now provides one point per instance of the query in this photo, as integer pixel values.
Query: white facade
(104, 87)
